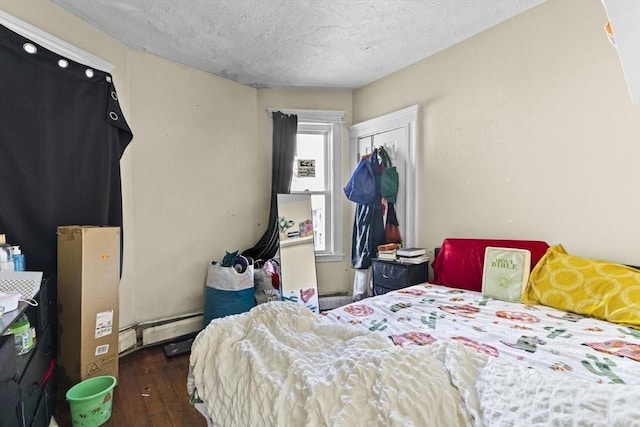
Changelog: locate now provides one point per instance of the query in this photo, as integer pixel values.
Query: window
(317, 172)
(310, 175)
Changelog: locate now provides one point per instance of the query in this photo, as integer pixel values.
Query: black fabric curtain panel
(285, 130)
(62, 134)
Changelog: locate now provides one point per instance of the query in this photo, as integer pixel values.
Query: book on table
(388, 251)
(411, 252)
(505, 272)
(387, 255)
(413, 260)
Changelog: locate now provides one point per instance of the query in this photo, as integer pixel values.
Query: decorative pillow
(600, 289)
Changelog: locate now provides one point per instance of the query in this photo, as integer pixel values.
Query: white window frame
(333, 221)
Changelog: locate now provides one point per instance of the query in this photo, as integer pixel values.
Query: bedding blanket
(280, 364)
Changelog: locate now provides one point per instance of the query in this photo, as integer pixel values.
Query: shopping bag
(392, 227)
(266, 277)
(389, 181)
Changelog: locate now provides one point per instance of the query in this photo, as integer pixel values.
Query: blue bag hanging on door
(361, 187)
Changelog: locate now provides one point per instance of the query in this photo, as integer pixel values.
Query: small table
(392, 275)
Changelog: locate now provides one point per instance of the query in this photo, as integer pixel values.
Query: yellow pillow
(600, 289)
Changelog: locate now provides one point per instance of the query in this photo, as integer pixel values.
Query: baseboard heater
(164, 331)
(143, 335)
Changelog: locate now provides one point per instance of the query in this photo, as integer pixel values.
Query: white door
(397, 132)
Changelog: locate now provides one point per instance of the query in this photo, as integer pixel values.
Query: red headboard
(459, 261)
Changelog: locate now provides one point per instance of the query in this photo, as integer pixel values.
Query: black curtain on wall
(285, 129)
(62, 134)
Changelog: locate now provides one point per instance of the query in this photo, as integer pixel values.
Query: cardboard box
(88, 281)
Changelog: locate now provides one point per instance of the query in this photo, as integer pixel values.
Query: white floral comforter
(282, 365)
(535, 336)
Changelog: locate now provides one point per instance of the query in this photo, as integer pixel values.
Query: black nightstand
(392, 275)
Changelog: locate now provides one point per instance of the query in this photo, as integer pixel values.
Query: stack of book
(388, 252)
(412, 255)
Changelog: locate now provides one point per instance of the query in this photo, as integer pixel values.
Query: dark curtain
(62, 134)
(285, 129)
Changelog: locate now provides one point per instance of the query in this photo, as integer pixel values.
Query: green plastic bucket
(90, 401)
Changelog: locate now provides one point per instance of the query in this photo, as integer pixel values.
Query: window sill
(329, 257)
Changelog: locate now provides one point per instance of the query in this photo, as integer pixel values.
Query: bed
(431, 354)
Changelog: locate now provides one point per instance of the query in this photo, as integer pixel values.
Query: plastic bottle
(23, 334)
(6, 260)
(18, 258)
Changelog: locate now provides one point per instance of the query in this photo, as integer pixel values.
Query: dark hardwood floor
(151, 391)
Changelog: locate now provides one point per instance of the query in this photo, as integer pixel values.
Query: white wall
(193, 190)
(528, 132)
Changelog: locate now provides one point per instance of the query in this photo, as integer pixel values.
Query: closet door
(393, 141)
(397, 132)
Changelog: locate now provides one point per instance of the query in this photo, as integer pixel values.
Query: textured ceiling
(295, 43)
